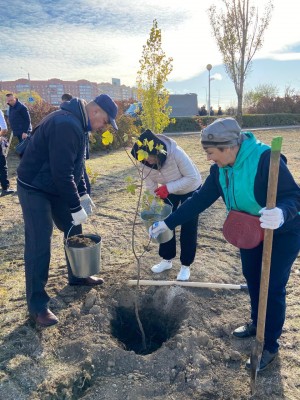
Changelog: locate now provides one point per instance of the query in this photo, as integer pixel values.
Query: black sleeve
(81, 187)
(26, 117)
(64, 147)
(202, 198)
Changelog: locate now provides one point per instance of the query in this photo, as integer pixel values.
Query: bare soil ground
(92, 354)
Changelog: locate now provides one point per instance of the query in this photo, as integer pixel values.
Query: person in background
(220, 112)
(203, 111)
(173, 177)
(18, 117)
(240, 176)
(51, 188)
(3, 164)
(66, 97)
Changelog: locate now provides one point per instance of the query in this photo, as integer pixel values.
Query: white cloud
(100, 40)
(217, 77)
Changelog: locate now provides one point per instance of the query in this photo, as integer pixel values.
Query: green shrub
(265, 120)
(39, 110)
(184, 124)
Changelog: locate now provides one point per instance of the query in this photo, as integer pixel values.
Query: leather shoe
(6, 192)
(266, 359)
(245, 331)
(44, 318)
(89, 281)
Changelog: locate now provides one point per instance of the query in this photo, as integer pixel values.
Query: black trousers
(19, 136)
(188, 235)
(40, 210)
(3, 171)
(285, 250)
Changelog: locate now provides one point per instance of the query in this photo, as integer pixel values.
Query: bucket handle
(72, 225)
(171, 204)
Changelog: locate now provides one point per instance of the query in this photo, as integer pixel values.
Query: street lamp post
(29, 83)
(208, 67)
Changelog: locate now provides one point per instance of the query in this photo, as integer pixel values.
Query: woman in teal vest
(240, 176)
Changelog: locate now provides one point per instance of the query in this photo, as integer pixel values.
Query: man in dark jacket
(51, 187)
(19, 117)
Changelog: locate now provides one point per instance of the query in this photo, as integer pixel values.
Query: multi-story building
(117, 91)
(183, 105)
(52, 89)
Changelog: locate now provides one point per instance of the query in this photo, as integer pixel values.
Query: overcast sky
(99, 40)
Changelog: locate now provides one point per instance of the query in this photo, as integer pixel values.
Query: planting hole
(161, 320)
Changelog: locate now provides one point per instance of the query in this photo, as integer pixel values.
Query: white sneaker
(184, 273)
(162, 266)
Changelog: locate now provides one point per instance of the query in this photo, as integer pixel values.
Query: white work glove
(87, 204)
(271, 219)
(157, 228)
(79, 217)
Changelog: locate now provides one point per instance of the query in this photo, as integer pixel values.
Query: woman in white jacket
(173, 177)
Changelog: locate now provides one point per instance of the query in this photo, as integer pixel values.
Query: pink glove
(162, 192)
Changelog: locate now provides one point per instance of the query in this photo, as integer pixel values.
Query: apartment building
(52, 89)
(117, 91)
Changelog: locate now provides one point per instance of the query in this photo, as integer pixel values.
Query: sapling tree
(154, 70)
(146, 201)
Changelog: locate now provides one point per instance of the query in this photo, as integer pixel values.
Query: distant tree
(154, 70)
(289, 103)
(123, 105)
(230, 111)
(253, 97)
(22, 96)
(38, 110)
(238, 30)
(3, 102)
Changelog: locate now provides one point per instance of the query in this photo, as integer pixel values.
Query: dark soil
(81, 241)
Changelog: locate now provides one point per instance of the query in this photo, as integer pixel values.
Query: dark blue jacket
(19, 119)
(54, 158)
(288, 196)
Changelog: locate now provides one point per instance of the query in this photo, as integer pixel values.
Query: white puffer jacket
(178, 172)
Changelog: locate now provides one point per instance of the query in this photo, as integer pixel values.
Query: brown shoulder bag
(243, 230)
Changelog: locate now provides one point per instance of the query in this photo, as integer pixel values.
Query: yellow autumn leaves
(143, 154)
(107, 138)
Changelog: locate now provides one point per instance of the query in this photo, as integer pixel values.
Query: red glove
(162, 192)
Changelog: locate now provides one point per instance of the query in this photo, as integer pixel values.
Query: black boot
(266, 359)
(245, 331)
(7, 192)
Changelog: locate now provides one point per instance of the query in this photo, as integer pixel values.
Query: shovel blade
(255, 363)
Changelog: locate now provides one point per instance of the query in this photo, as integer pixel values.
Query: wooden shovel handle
(268, 238)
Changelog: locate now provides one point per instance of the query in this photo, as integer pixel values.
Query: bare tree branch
(238, 32)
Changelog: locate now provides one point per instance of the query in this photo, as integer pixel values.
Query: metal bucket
(84, 261)
(150, 216)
